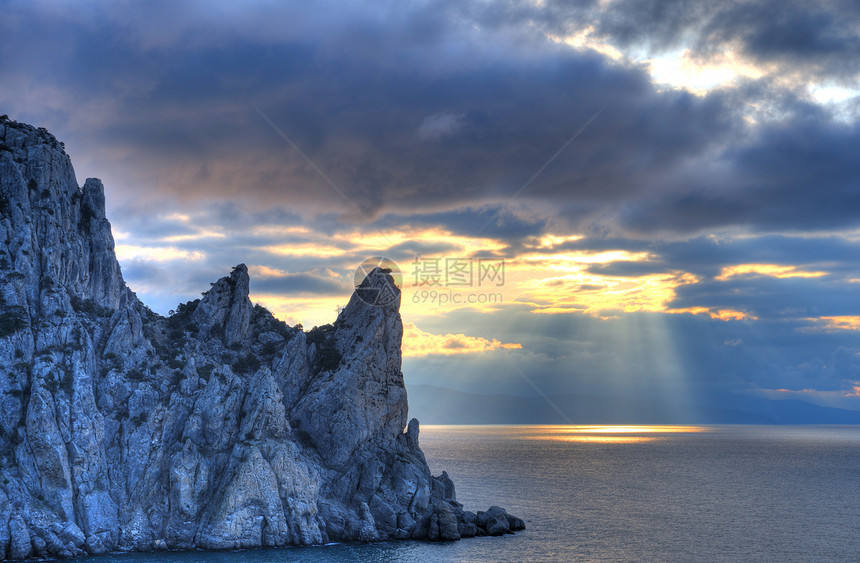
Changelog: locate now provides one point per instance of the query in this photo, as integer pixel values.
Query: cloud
(504, 221)
(774, 270)
(687, 219)
(767, 297)
(410, 249)
(842, 399)
(194, 134)
(418, 343)
(156, 253)
(793, 175)
(438, 125)
(683, 358)
(841, 322)
(783, 37)
(476, 103)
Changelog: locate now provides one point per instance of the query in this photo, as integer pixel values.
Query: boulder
(494, 521)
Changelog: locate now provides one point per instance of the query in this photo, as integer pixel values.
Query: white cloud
(439, 125)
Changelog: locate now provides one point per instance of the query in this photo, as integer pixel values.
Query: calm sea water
(734, 493)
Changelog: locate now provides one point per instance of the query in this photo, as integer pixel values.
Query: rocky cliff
(217, 427)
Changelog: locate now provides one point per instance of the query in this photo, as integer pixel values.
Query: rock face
(217, 427)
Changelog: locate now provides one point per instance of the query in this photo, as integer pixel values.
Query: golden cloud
(417, 343)
(773, 270)
(844, 322)
(304, 249)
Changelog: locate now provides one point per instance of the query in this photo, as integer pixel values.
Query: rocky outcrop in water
(217, 427)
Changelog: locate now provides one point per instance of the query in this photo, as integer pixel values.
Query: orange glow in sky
(547, 275)
(845, 322)
(774, 270)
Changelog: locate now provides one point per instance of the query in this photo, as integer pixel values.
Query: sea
(628, 493)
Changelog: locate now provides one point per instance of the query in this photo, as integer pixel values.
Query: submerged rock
(217, 427)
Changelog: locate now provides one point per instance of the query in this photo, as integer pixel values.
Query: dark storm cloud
(817, 38)
(434, 107)
(511, 119)
(461, 121)
(501, 222)
(411, 249)
(797, 174)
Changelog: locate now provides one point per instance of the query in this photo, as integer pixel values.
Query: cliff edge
(217, 427)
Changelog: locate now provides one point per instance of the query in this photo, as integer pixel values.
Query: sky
(625, 198)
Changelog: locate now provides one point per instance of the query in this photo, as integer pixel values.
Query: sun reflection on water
(608, 434)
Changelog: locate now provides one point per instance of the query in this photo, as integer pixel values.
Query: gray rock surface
(217, 427)
(494, 521)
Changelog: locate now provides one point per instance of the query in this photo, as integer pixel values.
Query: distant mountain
(439, 405)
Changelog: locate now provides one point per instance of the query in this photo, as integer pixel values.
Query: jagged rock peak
(365, 342)
(226, 306)
(56, 234)
(377, 289)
